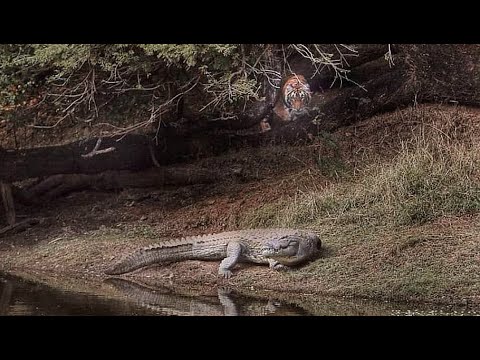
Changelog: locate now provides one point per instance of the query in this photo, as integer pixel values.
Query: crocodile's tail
(151, 255)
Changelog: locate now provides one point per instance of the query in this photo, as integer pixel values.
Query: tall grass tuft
(432, 175)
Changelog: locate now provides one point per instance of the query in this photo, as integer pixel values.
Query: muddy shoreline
(192, 277)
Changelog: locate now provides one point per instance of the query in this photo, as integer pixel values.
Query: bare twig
(51, 126)
(321, 59)
(152, 155)
(389, 56)
(223, 117)
(21, 225)
(95, 150)
(155, 113)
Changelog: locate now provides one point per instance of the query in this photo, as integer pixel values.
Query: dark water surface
(24, 297)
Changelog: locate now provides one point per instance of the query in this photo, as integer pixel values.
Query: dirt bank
(435, 259)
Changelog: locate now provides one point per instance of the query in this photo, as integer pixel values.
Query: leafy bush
(82, 82)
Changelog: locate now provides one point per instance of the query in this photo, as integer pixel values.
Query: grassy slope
(404, 224)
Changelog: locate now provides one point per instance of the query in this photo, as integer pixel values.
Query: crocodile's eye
(285, 243)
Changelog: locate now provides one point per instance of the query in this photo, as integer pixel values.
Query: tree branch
(95, 150)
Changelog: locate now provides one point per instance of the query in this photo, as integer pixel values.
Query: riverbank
(395, 199)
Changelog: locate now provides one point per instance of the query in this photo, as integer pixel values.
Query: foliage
(87, 82)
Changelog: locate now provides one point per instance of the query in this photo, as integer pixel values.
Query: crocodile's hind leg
(234, 250)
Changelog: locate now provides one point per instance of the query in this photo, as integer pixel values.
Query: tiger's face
(296, 93)
(293, 98)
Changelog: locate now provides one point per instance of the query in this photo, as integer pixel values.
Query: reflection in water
(22, 297)
(5, 295)
(165, 302)
(123, 297)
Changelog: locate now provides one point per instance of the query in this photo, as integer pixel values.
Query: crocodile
(279, 248)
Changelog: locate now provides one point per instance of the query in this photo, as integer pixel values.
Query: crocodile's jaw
(292, 250)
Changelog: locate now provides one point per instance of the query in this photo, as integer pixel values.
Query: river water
(19, 296)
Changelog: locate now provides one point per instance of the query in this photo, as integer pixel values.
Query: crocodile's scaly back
(275, 247)
(171, 251)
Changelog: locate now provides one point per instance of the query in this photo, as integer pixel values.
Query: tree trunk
(59, 185)
(7, 198)
(131, 152)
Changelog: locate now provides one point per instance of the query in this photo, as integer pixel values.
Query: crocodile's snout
(292, 250)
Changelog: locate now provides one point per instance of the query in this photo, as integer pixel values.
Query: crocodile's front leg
(275, 265)
(234, 250)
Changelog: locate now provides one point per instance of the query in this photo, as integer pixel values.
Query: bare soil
(85, 232)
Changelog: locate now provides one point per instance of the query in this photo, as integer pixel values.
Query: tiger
(293, 98)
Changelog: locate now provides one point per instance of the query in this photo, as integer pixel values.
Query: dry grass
(433, 173)
(425, 181)
(377, 223)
